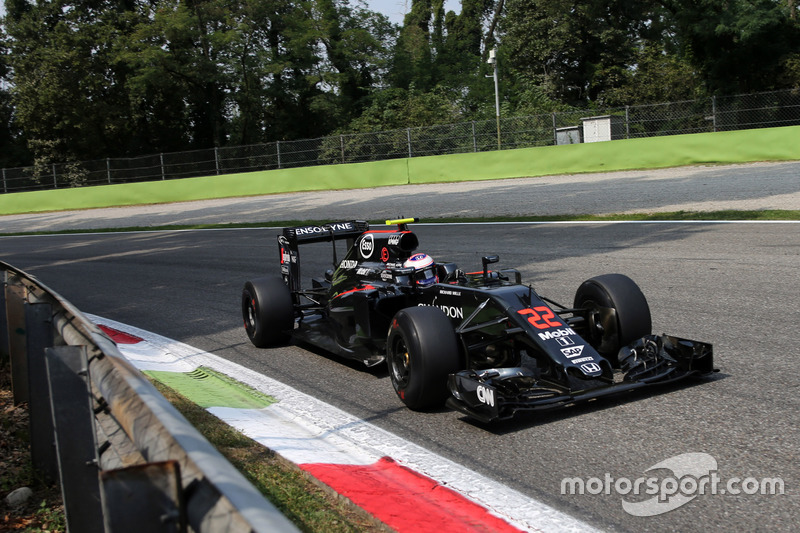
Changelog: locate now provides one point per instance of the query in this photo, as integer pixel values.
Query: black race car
(481, 341)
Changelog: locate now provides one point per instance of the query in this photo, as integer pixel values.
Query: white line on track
(521, 223)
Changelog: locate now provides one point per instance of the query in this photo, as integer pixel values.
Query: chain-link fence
(722, 113)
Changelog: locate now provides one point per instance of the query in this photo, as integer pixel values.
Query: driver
(425, 269)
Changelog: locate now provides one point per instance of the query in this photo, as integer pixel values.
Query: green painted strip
(209, 388)
(319, 178)
(730, 147)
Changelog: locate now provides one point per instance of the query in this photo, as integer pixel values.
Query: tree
(67, 88)
(109, 78)
(262, 70)
(13, 151)
(655, 77)
(738, 45)
(398, 108)
(574, 50)
(412, 60)
(442, 51)
(355, 43)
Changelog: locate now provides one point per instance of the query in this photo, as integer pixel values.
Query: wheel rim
(400, 362)
(251, 316)
(595, 324)
(598, 329)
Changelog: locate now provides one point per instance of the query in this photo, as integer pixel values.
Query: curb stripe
(120, 337)
(399, 497)
(208, 388)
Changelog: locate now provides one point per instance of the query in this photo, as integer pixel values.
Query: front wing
(498, 393)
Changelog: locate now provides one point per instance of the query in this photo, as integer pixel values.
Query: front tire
(268, 311)
(608, 332)
(421, 350)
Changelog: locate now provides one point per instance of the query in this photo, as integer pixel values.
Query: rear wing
(290, 240)
(326, 232)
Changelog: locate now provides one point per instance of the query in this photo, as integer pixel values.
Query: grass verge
(308, 505)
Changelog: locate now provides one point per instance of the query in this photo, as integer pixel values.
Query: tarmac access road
(710, 188)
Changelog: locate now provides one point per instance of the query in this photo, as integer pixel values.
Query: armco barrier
(126, 459)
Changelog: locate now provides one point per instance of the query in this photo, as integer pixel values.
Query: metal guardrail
(127, 460)
(718, 113)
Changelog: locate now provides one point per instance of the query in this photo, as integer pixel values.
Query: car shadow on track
(379, 371)
(523, 419)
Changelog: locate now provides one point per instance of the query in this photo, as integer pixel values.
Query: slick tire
(421, 350)
(267, 311)
(630, 321)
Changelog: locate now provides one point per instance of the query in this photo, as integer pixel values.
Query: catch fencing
(126, 459)
(718, 113)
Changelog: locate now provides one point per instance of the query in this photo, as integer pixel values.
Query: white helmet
(425, 269)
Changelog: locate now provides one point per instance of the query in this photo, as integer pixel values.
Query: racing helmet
(425, 269)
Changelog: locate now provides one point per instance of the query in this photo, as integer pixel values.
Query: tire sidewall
(270, 302)
(617, 291)
(433, 354)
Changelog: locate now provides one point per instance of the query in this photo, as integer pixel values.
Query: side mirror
(486, 261)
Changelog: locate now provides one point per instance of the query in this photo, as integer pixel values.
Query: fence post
(216, 158)
(55, 180)
(143, 497)
(5, 190)
(627, 123)
(39, 328)
(555, 129)
(408, 138)
(161, 158)
(341, 141)
(73, 419)
(714, 112)
(474, 138)
(278, 152)
(108, 169)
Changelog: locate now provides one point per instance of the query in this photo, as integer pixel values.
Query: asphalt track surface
(735, 285)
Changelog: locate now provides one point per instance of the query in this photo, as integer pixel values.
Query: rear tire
(268, 311)
(607, 334)
(421, 350)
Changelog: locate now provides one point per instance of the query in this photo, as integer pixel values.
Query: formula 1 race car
(482, 342)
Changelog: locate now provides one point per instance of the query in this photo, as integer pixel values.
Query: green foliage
(656, 78)
(13, 151)
(401, 108)
(126, 77)
(527, 97)
(739, 46)
(576, 52)
(389, 114)
(65, 82)
(82, 80)
(436, 49)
